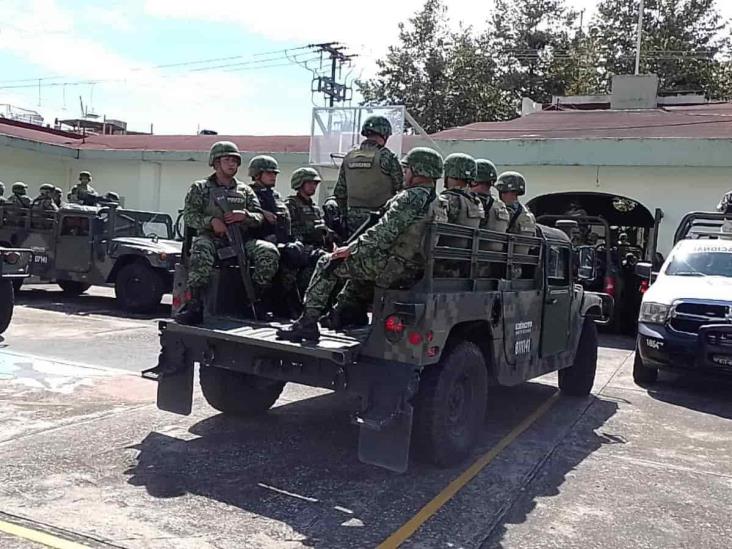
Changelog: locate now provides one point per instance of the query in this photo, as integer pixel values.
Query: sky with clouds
(185, 65)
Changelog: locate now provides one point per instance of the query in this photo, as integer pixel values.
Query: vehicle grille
(688, 316)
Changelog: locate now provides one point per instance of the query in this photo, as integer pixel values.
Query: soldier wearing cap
(203, 213)
(390, 254)
(369, 175)
(83, 193)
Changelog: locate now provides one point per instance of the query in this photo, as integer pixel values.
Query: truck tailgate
(339, 347)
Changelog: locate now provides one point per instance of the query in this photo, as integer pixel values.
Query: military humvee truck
(490, 309)
(80, 246)
(14, 265)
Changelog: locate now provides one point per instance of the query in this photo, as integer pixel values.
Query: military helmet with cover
(511, 182)
(111, 195)
(86, 174)
(302, 175)
(377, 124)
(424, 161)
(46, 188)
(19, 188)
(221, 149)
(486, 171)
(262, 163)
(460, 166)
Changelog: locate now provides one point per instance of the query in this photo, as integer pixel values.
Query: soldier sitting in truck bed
(387, 254)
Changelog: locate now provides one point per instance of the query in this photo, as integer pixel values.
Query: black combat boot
(304, 328)
(192, 311)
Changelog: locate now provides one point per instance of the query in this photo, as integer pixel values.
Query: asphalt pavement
(86, 458)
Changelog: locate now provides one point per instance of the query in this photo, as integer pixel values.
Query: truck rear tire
(642, 374)
(577, 380)
(72, 287)
(7, 302)
(450, 406)
(237, 393)
(138, 287)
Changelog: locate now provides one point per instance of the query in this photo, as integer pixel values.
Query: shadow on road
(548, 475)
(297, 465)
(81, 305)
(709, 395)
(617, 341)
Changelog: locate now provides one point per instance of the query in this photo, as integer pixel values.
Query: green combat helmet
(379, 125)
(85, 174)
(486, 171)
(112, 196)
(46, 188)
(460, 166)
(511, 182)
(19, 188)
(262, 163)
(302, 175)
(221, 149)
(424, 161)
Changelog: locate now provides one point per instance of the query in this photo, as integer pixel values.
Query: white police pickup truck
(685, 320)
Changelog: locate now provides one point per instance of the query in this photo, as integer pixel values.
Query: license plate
(722, 360)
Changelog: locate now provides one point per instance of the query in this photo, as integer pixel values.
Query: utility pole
(332, 90)
(639, 32)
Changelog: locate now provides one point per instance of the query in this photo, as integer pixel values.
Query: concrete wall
(676, 175)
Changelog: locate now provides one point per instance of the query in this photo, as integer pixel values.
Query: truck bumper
(709, 352)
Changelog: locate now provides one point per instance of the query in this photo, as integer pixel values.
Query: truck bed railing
(702, 225)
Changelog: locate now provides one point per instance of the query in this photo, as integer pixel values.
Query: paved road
(85, 453)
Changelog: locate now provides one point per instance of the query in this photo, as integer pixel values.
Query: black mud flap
(174, 374)
(386, 443)
(175, 391)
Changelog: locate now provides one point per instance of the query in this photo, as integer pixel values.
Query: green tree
(532, 42)
(683, 43)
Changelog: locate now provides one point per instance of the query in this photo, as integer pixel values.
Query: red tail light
(394, 325)
(415, 338)
(610, 286)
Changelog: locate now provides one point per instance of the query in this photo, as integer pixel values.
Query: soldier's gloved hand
(219, 227)
(270, 217)
(235, 216)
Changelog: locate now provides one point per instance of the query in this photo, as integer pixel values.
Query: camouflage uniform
(198, 212)
(369, 175)
(271, 201)
(58, 194)
(19, 198)
(44, 201)
(496, 215)
(83, 193)
(522, 221)
(387, 255)
(463, 207)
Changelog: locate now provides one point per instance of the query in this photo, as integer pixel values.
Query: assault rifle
(236, 248)
(373, 219)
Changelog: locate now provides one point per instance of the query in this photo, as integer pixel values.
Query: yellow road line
(424, 514)
(49, 540)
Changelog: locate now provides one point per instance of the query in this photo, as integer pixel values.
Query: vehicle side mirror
(644, 270)
(586, 265)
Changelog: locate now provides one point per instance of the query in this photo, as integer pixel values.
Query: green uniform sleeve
(404, 209)
(194, 210)
(391, 166)
(339, 191)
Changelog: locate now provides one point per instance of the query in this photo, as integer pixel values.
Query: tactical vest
(270, 201)
(305, 218)
(496, 219)
(410, 245)
(235, 196)
(469, 214)
(367, 186)
(522, 222)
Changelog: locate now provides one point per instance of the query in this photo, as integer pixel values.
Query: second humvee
(80, 246)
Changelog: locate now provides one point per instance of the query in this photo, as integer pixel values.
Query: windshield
(701, 263)
(144, 224)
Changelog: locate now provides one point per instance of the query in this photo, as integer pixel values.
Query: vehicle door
(557, 299)
(73, 244)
